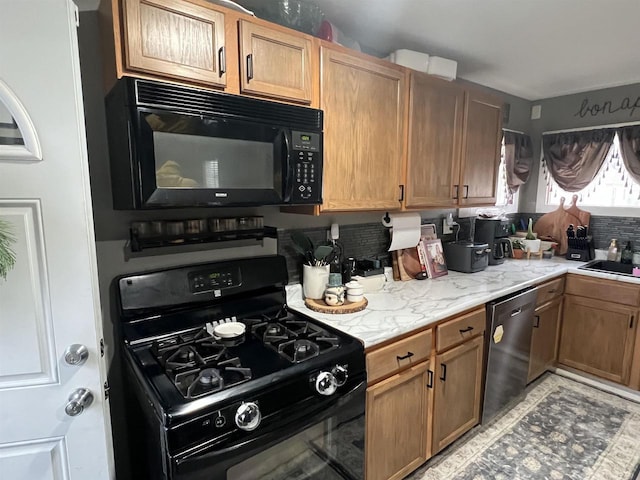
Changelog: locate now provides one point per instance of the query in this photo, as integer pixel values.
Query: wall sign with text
(608, 107)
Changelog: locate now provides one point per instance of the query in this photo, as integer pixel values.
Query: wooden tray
(347, 307)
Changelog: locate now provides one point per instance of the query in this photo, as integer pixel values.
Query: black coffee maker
(494, 231)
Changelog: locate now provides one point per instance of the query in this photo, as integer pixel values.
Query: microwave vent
(203, 102)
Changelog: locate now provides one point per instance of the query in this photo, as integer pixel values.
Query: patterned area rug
(562, 430)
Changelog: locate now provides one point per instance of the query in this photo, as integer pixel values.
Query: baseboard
(607, 386)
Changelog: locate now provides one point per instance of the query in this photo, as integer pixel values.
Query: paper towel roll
(405, 230)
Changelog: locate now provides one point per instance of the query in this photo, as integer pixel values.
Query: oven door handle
(264, 439)
(288, 173)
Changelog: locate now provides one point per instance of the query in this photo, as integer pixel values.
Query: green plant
(517, 244)
(7, 255)
(530, 235)
(314, 256)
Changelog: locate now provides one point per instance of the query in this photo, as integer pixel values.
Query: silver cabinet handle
(76, 354)
(78, 401)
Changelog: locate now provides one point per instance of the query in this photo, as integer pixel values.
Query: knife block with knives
(580, 244)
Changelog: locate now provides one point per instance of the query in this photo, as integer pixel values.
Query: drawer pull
(429, 379)
(404, 357)
(465, 330)
(631, 322)
(443, 377)
(222, 61)
(537, 324)
(516, 312)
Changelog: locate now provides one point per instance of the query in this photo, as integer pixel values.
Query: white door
(49, 299)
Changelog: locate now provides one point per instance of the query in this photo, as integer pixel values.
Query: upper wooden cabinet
(455, 135)
(481, 145)
(436, 109)
(176, 39)
(364, 131)
(197, 42)
(274, 63)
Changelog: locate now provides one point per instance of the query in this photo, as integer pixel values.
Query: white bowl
(371, 284)
(355, 290)
(229, 330)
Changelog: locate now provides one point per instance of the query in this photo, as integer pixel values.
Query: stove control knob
(326, 383)
(248, 416)
(340, 374)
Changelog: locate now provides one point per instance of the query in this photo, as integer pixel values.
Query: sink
(609, 267)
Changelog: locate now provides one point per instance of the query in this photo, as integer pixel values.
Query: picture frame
(435, 261)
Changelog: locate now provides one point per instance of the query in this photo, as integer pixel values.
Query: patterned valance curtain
(574, 158)
(630, 150)
(518, 158)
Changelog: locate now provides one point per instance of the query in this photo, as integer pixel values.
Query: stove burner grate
(197, 382)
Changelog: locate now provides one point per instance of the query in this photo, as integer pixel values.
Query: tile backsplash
(372, 239)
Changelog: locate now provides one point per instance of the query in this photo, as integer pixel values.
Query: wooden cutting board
(583, 215)
(554, 225)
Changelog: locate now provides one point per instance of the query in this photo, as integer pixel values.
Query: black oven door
(326, 443)
(184, 160)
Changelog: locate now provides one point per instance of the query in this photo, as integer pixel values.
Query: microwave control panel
(307, 165)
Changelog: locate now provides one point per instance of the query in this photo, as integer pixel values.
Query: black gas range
(282, 400)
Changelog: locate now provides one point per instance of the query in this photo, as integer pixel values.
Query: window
(504, 198)
(612, 186)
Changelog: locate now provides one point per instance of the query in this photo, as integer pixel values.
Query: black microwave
(173, 146)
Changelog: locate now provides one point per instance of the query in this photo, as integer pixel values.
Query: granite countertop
(401, 307)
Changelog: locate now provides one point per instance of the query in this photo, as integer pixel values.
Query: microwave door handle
(288, 173)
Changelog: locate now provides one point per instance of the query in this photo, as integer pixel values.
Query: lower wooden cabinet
(544, 338)
(457, 391)
(597, 337)
(397, 433)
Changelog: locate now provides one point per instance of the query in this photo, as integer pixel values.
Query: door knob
(76, 354)
(78, 401)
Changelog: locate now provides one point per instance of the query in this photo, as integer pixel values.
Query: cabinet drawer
(550, 290)
(403, 353)
(612, 291)
(460, 329)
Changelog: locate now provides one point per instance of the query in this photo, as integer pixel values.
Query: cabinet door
(397, 424)
(457, 390)
(274, 63)
(544, 338)
(597, 337)
(481, 149)
(435, 134)
(174, 38)
(364, 124)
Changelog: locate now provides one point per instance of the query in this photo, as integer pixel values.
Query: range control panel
(307, 165)
(211, 280)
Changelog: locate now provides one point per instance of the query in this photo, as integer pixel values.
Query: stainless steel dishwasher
(509, 327)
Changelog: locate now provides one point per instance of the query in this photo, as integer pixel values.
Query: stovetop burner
(197, 382)
(294, 339)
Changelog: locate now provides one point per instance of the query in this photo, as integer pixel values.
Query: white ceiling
(530, 48)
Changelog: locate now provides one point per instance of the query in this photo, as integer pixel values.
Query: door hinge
(76, 15)
(107, 389)
(101, 347)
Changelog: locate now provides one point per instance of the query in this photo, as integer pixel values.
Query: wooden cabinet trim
(460, 329)
(135, 59)
(611, 290)
(447, 404)
(582, 348)
(545, 338)
(302, 93)
(363, 154)
(634, 381)
(480, 98)
(549, 290)
(399, 355)
(425, 142)
(377, 450)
